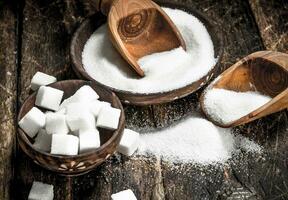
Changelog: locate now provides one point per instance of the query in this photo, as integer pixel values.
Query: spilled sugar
(226, 106)
(194, 140)
(164, 71)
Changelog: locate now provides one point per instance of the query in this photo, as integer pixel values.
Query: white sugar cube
(89, 140)
(86, 94)
(124, 195)
(49, 98)
(78, 117)
(66, 102)
(96, 106)
(108, 118)
(56, 123)
(41, 79)
(32, 122)
(43, 141)
(41, 191)
(77, 108)
(62, 111)
(129, 142)
(64, 144)
(81, 122)
(104, 103)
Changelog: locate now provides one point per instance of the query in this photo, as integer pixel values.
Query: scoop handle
(104, 6)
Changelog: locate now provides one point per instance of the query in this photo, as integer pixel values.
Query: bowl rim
(21, 133)
(215, 23)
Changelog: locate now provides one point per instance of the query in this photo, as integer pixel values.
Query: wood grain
(45, 40)
(8, 87)
(140, 174)
(255, 176)
(271, 18)
(140, 28)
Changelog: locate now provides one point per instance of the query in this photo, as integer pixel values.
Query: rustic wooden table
(35, 36)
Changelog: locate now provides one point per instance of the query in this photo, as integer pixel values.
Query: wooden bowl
(86, 29)
(82, 163)
(263, 71)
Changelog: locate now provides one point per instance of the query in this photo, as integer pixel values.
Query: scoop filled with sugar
(254, 87)
(139, 28)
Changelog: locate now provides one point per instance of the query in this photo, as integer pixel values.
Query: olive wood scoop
(138, 28)
(262, 71)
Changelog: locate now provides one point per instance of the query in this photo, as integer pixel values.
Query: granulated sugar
(164, 71)
(226, 106)
(194, 140)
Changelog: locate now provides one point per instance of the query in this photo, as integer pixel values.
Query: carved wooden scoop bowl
(138, 28)
(263, 71)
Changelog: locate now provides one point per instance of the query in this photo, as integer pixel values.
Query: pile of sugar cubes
(70, 127)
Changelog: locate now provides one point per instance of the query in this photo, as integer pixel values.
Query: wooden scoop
(139, 28)
(263, 71)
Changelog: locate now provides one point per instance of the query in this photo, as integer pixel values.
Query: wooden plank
(266, 174)
(47, 28)
(272, 20)
(142, 175)
(45, 41)
(8, 88)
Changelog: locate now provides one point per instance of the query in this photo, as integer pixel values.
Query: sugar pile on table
(164, 71)
(192, 140)
(247, 145)
(41, 191)
(226, 106)
(41, 79)
(124, 195)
